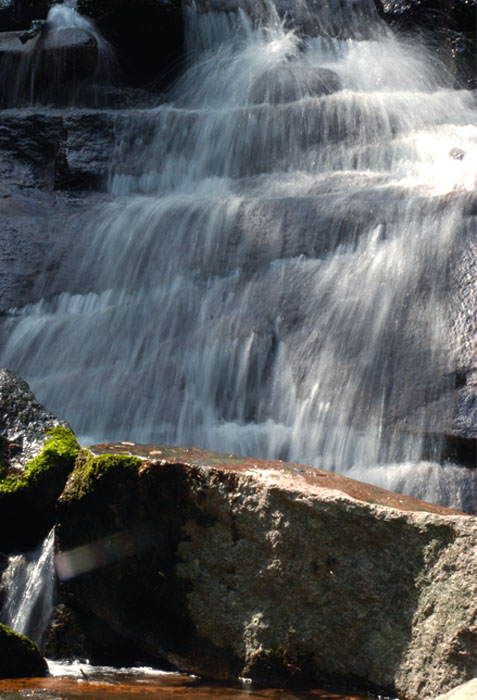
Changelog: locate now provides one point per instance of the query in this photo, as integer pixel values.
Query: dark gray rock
(19, 657)
(23, 421)
(50, 162)
(51, 149)
(70, 52)
(45, 65)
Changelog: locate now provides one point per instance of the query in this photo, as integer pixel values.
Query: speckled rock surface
(231, 566)
(23, 421)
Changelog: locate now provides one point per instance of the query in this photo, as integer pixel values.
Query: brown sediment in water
(163, 688)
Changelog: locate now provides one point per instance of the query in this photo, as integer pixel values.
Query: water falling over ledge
(269, 275)
(28, 584)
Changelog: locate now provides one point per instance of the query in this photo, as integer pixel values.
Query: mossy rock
(46, 474)
(27, 499)
(19, 657)
(89, 469)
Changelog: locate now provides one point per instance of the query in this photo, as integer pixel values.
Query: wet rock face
(230, 566)
(50, 161)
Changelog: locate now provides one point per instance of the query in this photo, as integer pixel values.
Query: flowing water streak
(269, 276)
(28, 587)
(65, 15)
(30, 74)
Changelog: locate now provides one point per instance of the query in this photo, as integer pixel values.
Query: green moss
(49, 470)
(19, 656)
(26, 643)
(89, 469)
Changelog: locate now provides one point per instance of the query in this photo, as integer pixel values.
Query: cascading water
(269, 273)
(27, 585)
(65, 15)
(35, 65)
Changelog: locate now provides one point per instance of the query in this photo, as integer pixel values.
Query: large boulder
(45, 65)
(230, 566)
(19, 657)
(37, 452)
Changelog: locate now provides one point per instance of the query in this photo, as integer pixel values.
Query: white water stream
(27, 586)
(269, 274)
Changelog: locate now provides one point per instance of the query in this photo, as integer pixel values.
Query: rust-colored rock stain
(291, 474)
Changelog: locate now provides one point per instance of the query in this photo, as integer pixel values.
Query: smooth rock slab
(231, 566)
(467, 691)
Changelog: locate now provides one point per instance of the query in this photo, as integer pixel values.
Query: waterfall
(27, 585)
(65, 15)
(269, 273)
(61, 59)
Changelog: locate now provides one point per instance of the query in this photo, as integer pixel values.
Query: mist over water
(268, 274)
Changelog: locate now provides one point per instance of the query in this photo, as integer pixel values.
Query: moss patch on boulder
(46, 473)
(19, 657)
(89, 469)
(27, 499)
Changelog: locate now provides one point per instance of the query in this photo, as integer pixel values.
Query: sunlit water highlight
(269, 274)
(27, 585)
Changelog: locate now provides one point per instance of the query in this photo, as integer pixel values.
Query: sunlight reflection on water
(81, 681)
